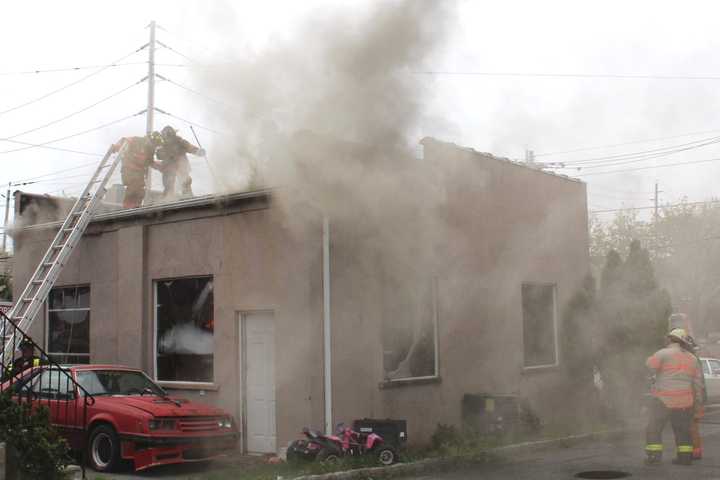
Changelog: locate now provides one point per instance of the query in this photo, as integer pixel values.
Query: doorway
(258, 381)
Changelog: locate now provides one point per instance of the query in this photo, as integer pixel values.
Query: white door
(259, 364)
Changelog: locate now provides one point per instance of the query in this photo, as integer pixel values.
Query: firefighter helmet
(678, 335)
(168, 132)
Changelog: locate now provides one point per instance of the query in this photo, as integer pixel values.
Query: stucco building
(224, 299)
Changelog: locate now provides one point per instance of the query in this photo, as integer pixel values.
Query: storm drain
(602, 474)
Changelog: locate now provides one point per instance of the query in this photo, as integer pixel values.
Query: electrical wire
(189, 59)
(634, 142)
(84, 165)
(44, 144)
(77, 112)
(71, 84)
(193, 91)
(71, 69)
(566, 75)
(619, 159)
(649, 167)
(651, 207)
(191, 123)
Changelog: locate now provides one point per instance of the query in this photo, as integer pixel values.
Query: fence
(38, 381)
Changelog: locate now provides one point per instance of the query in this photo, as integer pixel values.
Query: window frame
(47, 321)
(556, 337)
(177, 383)
(387, 382)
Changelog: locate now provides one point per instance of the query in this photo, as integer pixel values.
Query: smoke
(347, 76)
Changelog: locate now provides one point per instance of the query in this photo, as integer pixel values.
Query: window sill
(540, 369)
(407, 382)
(189, 386)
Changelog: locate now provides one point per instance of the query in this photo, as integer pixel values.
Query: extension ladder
(36, 291)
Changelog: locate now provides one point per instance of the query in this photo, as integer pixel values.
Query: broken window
(184, 323)
(68, 327)
(410, 331)
(539, 338)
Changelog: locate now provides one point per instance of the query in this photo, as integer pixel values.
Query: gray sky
(503, 115)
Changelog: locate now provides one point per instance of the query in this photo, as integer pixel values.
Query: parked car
(131, 419)
(711, 369)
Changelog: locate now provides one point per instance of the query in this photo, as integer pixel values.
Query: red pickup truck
(131, 418)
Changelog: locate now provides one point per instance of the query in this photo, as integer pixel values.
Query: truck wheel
(387, 455)
(104, 449)
(328, 456)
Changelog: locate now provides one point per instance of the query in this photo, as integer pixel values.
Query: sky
(469, 99)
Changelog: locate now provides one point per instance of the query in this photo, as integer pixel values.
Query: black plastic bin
(393, 432)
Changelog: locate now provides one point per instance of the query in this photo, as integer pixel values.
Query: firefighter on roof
(136, 159)
(175, 164)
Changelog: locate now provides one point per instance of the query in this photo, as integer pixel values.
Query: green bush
(34, 446)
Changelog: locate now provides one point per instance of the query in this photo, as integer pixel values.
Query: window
(51, 384)
(539, 325)
(68, 327)
(410, 331)
(184, 330)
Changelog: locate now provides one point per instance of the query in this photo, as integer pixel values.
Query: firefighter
(699, 407)
(136, 160)
(677, 382)
(27, 359)
(175, 164)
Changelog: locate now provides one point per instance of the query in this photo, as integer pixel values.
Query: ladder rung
(37, 282)
(68, 229)
(58, 247)
(27, 300)
(48, 264)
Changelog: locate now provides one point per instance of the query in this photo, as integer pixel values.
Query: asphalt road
(623, 455)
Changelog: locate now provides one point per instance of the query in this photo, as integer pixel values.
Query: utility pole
(656, 201)
(151, 102)
(7, 217)
(530, 156)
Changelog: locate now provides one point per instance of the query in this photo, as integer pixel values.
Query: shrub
(34, 446)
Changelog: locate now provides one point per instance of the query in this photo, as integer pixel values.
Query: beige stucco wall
(499, 225)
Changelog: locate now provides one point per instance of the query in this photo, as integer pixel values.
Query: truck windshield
(115, 382)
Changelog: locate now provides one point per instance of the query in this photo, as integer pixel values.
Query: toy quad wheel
(386, 455)
(328, 456)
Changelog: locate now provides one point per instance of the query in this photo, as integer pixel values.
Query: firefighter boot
(653, 458)
(683, 458)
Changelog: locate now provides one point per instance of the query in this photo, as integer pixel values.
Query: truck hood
(160, 407)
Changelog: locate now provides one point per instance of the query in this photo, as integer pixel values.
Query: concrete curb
(435, 464)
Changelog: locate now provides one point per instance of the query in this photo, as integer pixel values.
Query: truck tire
(104, 449)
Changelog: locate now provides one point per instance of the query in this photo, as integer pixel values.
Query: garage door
(260, 382)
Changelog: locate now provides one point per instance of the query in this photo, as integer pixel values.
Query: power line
(71, 84)
(634, 142)
(84, 165)
(651, 207)
(649, 167)
(71, 69)
(566, 75)
(45, 144)
(196, 92)
(189, 59)
(84, 109)
(191, 123)
(638, 156)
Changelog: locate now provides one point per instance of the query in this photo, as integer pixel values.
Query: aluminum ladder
(47, 272)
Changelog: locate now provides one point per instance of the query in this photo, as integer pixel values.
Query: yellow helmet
(156, 138)
(679, 335)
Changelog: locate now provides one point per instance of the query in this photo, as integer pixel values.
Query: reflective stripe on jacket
(677, 376)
